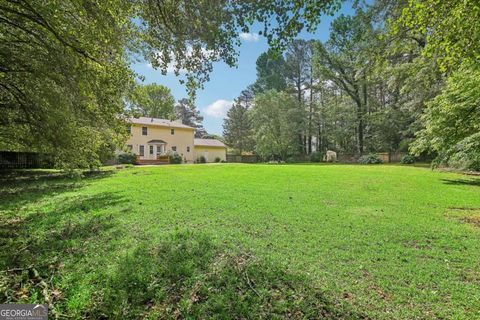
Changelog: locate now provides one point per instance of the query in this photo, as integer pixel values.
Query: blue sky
(226, 83)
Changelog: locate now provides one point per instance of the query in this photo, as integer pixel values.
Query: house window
(144, 131)
(174, 148)
(142, 151)
(129, 129)
(151, 149)
(172, 131)
(188, 149)
(129, 147)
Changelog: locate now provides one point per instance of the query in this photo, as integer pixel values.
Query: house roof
(209, 143)
(159, 122)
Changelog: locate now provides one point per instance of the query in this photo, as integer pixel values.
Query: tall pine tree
(190, 116)
(237, 127)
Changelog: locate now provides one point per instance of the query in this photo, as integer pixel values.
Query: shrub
(201, 159)
(465, 155)
(175, 158)
(217, 159)
(290, 160)
(408, 159)
(370, 159)
(127, 158)
(316, 157)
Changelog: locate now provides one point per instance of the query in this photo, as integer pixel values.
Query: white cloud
(218, 109)
(250, 37)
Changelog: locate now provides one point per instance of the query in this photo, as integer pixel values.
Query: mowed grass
(244, 241)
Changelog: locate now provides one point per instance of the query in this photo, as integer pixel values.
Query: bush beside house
(175, 158)
(127, 158)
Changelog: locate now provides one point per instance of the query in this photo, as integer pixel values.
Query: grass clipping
(188, 276)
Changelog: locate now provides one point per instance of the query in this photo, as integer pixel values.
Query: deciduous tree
(155, 101)
(449, 31)
(452, 121)
(277, 121)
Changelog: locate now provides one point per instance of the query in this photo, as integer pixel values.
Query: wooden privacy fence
(341, 157)
(385, 156)
(243, 158)
(23, 160)
(347, 157)
(396, 156)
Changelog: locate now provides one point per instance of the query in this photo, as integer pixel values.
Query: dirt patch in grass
(473, 220)
(466, 215)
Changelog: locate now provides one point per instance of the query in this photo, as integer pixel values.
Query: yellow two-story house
(152, 138)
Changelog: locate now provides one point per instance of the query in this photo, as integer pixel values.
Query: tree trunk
(305, 142)
(365, 104)
(360, 127)
(310, 111)
(319, 136)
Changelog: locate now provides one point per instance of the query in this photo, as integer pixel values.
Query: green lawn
(244, 241)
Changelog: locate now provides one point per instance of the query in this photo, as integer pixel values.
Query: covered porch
(155, 149)
(155, 153)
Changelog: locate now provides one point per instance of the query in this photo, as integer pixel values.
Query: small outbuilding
(211, 149)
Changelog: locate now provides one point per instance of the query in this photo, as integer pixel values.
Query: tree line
(66, 82)
(395, 76)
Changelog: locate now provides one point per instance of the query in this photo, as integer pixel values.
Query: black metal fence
(23, 160)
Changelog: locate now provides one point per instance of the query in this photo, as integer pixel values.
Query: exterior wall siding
(182, 139)
(210, 153)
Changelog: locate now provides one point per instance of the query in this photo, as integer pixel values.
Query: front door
(160, 149)
(151, 152)
(205, 154)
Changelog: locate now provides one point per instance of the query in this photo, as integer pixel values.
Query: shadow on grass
(35, 241)
(188, 276)
(42, 233)
(466, 182)
(20, 187)
(33, 250)
(15, 176)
